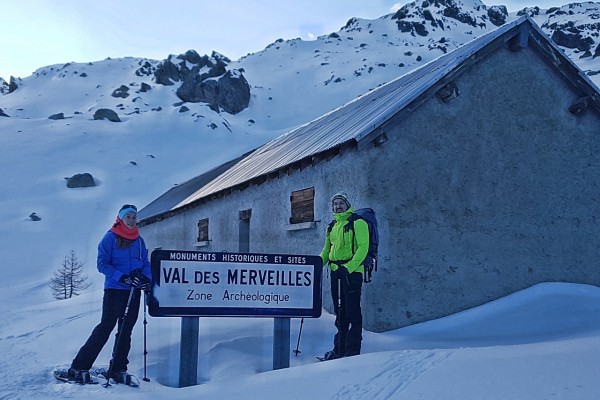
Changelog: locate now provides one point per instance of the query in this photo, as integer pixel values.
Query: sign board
(195, 283)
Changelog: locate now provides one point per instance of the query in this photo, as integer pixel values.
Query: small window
(203, 230)
(303, 206)
(245, 215)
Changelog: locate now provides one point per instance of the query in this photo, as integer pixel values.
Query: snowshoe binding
(82, 377)
(120, 377)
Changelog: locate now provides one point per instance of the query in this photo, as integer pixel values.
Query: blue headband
(124, 211)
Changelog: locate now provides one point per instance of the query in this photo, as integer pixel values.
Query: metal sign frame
(211, 284)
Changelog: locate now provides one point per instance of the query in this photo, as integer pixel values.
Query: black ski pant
(345, 292)
(113, 309)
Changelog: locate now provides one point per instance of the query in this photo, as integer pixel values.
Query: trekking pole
(123, 318)
(341, 314)
(299, 334)
(145, 379)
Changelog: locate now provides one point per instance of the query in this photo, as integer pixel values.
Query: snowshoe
(121, 377)
(330, 355)
(125, 378)
(71, 375)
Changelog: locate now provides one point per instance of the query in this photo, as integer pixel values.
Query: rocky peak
(9, 87)
(3, 86)
(205, 79)
(417, 18)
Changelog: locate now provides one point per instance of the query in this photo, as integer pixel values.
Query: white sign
(187, 283)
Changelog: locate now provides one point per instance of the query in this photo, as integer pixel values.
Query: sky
(37, 33)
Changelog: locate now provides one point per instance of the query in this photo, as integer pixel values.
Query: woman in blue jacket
(123, 259)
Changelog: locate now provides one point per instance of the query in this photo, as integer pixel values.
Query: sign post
(188, 352)
(281, 343)
(193, 284)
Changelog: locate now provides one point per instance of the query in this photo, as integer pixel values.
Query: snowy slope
(540, 343)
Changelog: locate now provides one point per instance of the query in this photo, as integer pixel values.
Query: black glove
(126, 279)
(139, 280)
(145, 283)
(134, 279)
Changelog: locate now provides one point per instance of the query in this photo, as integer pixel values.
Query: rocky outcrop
(572, 40)
(34, 217)
(121, 92)
(146, 68)
(81, 180)
(497, 15)
(145, 87)
(57, 116)
(13, 84)
(3, 86)
(231, 92)
(581, 35)
(107, 113)
(415, 17)
(452, 10)
(204, 79)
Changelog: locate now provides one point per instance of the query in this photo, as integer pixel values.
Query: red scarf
(120, 229)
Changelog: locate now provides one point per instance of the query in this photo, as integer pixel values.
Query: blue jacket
(114, 262)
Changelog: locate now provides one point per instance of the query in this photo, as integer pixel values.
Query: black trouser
(348, 320)
(113, 308)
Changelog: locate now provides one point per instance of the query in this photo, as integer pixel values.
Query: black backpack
(367, 214)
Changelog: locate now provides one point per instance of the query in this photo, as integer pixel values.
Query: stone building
(482, 165)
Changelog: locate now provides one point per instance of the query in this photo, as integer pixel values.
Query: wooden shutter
(203, 230)
(303, 206)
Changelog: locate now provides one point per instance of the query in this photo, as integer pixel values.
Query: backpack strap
(330, 226)
(350, 226)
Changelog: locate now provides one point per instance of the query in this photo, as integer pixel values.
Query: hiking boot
(352, 351)
(79, 375)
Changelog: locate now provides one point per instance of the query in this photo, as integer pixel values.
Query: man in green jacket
(345, 250)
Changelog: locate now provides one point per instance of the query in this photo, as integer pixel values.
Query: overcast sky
(37, 33)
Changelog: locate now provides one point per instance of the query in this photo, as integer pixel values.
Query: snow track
(395, 375)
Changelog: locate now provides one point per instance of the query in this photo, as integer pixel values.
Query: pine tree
(69, 280)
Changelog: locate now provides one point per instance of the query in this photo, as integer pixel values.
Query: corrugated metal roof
(173, 196)
(358, 118)
(353, 121)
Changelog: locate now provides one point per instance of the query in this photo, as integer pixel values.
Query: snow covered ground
(541, 343)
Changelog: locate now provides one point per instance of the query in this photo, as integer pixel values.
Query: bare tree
(69, 280)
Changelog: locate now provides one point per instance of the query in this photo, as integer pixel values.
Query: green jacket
(338, 243)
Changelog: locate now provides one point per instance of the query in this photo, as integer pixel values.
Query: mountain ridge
(363, 54)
